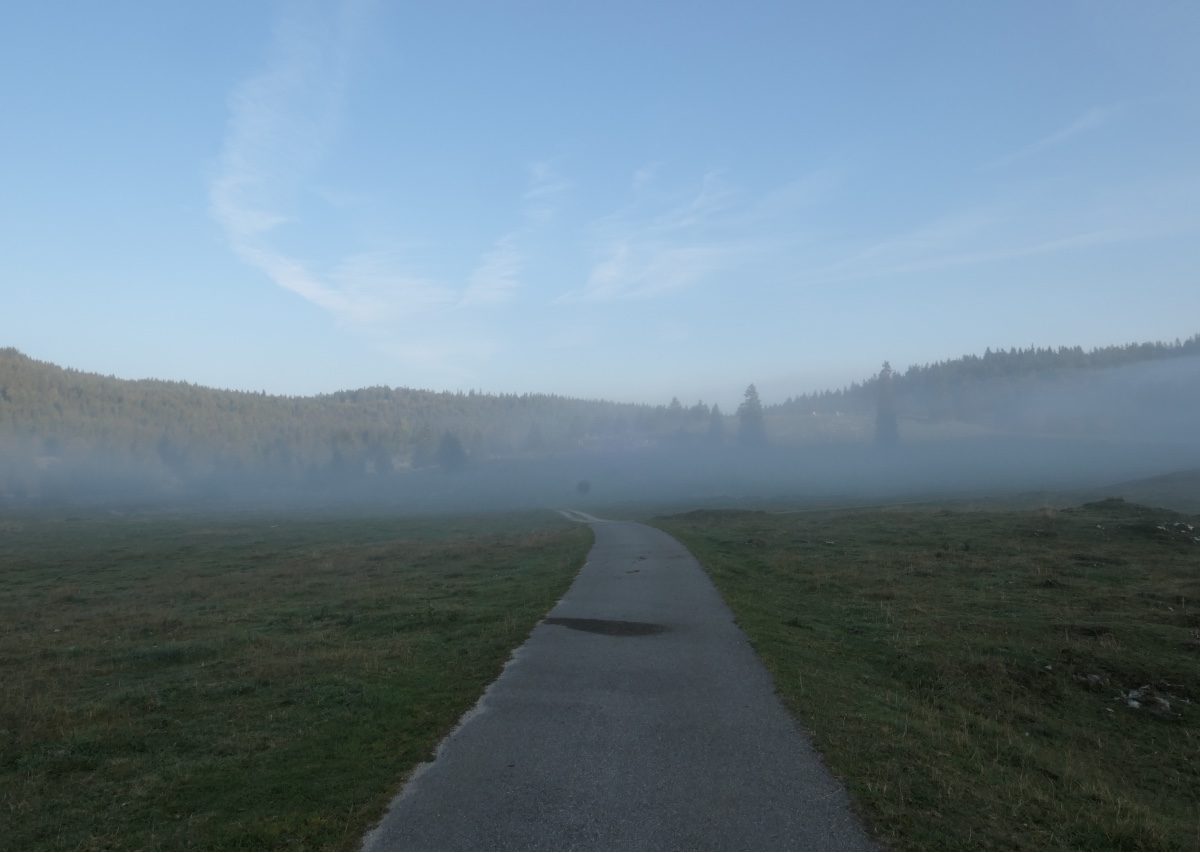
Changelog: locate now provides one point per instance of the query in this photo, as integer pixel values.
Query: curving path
(636, 716)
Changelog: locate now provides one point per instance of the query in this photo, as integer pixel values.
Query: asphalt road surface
(636, 717)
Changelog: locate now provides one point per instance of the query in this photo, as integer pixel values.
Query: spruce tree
(887, 432)
(752, 425)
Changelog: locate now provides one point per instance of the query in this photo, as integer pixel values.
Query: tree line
(67, 426)
(57, 420)
(982, 389)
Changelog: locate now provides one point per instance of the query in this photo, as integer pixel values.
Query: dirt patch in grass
(994, 680)
(217, 684)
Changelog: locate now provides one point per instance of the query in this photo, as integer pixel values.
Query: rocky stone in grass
(1148, 698)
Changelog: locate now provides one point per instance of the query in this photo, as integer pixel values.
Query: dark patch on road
(612, 627)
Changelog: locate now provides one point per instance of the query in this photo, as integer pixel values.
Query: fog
(1047, 432)
(990, 466)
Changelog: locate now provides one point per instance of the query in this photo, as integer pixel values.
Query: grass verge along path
(994, 680)
(184, 683)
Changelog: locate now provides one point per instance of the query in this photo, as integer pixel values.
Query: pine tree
(887, 432)
(752, 425)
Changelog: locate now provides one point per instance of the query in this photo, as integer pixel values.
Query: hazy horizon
(1017, 421)
(728, 406)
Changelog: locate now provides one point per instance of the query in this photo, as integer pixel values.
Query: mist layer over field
(1005, 422)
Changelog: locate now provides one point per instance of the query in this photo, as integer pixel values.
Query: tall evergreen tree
(752, 425)
(887, 432)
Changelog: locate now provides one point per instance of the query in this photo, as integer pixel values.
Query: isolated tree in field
(752, 425)
(887, 432)
(450, 453)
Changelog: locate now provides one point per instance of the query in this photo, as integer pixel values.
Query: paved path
(636, 716)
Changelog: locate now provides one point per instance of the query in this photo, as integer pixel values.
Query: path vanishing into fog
(636, 716)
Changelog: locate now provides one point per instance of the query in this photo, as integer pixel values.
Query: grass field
(174, 683)
(983, 679)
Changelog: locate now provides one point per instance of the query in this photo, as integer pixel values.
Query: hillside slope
(1119, 412)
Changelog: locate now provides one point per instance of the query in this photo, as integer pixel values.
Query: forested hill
(67, 433)
(58, 420)
(1069, 389)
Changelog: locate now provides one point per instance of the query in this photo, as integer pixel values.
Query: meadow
(980, 677)
(175, 682)
(988, 679)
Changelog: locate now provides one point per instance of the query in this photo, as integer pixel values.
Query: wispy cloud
(1093, 119)
(545, 182)
(663, 243)
(380, 290)
(642, 269)
(283, 120)
(1021, 229)
(641, 253)
(291, 274)
(281, 123)
(546, 185)
(497, 278)
(919, 245)
(930, 257)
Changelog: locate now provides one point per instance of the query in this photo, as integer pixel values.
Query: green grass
(224, 684)
(966, 673)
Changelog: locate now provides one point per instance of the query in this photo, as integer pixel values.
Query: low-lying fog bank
(992, 465)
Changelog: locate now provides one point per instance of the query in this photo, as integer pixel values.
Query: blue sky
(624, 200)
